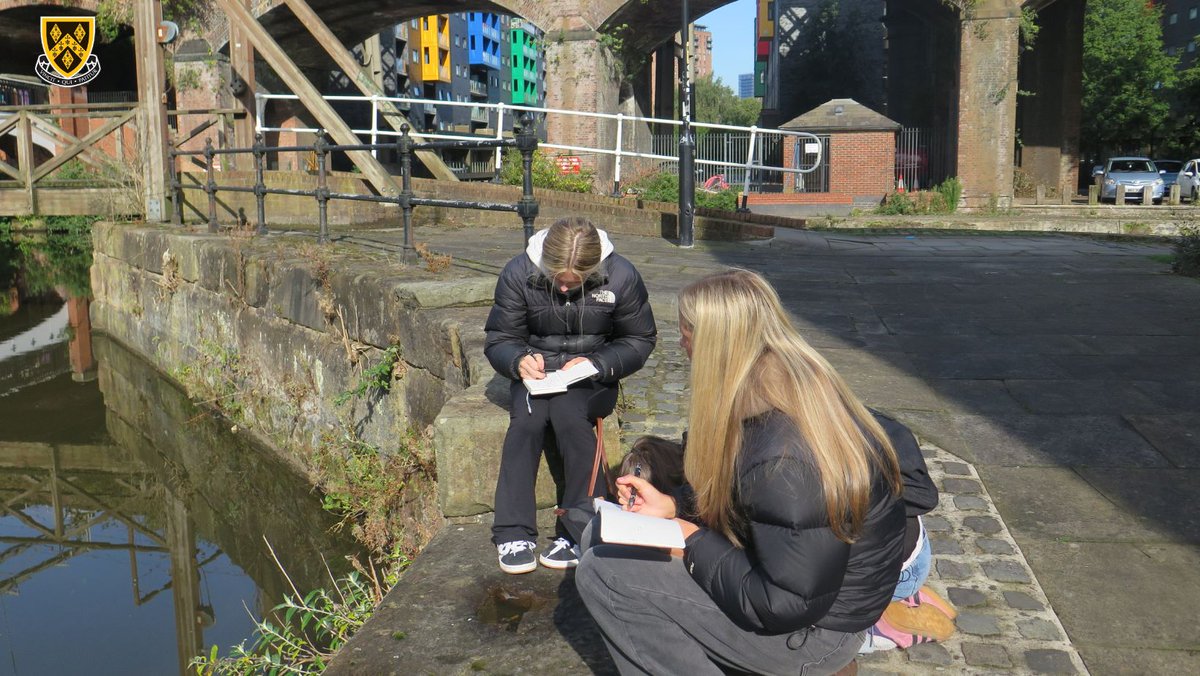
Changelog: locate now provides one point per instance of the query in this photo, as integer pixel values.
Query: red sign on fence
(568, 164)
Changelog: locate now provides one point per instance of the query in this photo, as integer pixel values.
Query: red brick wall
(861, 164)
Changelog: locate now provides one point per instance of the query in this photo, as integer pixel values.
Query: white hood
(534, 250)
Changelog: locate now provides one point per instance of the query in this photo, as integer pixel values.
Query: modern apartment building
(746, 85)
(1180, 27)
(701, 52)
(454, 59)
(524, 41)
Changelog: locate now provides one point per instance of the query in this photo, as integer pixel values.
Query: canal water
(133, 525)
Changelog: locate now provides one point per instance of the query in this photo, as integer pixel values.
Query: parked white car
(1189, 180)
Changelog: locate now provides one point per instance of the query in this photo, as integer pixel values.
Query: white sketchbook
(618, 526)
(557, 381)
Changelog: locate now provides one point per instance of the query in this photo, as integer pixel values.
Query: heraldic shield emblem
(67, 58)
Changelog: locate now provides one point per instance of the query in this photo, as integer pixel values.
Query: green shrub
(1187, 252)
(943, 199)
(951, 191)
(664, 187)
(897, 204)
(545, 173)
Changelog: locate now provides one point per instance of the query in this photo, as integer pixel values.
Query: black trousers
(571, 417)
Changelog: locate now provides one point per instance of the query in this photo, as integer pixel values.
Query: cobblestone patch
(1005, 624)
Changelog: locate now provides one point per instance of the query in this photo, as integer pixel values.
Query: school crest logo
(67, 59)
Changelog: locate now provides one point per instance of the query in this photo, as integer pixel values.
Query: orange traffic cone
(900, 185)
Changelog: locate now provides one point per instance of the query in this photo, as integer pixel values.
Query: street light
(687, 147)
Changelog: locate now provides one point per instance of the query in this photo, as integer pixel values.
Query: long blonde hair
(572, 246)
(747, 359)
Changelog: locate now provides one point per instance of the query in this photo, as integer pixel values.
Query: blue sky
(732, 27)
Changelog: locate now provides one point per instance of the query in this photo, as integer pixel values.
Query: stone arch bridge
(969, 63)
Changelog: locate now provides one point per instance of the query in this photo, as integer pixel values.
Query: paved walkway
(1061, 372)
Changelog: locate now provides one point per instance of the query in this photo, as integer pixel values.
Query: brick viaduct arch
(983, 114)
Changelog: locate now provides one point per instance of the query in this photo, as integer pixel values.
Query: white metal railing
(754, 159)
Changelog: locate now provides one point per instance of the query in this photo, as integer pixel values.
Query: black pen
(637, 472)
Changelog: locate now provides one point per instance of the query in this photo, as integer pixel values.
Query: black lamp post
(687, 146)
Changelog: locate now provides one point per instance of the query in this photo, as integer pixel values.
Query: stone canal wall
(280, 334)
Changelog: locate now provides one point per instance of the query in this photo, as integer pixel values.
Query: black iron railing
(525, 141)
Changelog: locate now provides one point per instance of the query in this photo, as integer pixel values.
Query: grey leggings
(655, 619)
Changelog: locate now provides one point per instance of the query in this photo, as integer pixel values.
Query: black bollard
(176, 188)
(211, 186)
(322, 151)
(260, 186)
(527, 143)
(404, 146)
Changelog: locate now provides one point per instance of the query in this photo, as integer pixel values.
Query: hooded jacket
(607, 319)
(793, 572)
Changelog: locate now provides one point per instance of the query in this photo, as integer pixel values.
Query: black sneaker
(562, 554)
(517, 557)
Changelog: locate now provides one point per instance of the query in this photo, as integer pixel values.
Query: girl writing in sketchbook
(567, 299)
(792, 513)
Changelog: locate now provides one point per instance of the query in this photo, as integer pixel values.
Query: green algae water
(133, 525)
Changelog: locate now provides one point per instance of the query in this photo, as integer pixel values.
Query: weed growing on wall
(301, 635)
(1187, 252)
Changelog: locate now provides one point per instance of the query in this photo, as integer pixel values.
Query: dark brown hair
(661, 461)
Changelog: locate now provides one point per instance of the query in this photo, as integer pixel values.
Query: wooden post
(310, 97)
(1120, 199)
(25, 153)
(151, 76)
(365, 83)
(1173, 198)
(1093, 194)
(241, 66)
(1040, 195)
(1148, 195)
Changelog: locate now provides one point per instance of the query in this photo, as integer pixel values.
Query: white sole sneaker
(519, 569)
(558, 565)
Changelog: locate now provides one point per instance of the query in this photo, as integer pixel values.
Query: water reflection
(132, 524)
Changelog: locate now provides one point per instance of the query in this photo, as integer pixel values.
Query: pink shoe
(927, 595)
(901, 639)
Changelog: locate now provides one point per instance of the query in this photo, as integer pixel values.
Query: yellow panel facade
(429, 47)
(765, 22)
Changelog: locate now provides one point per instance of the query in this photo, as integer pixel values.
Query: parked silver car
(1136, 174)
(1189, 180)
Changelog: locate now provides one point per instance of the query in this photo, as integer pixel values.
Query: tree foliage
(716, 102)
(1126, 76)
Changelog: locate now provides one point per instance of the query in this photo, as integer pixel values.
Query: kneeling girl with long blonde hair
(791, 512)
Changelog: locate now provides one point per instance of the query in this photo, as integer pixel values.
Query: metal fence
(920, 157)
(525, 142)
(760, 163)
(723, 158)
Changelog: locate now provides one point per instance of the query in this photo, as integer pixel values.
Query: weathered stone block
(986, 655)
(294, 295)
(447, 293)
(978, 624)
(1006, 571)
(1022, 601)
(966, 597)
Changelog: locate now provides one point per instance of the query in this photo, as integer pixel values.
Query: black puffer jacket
(607, 320)
(793, 572)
